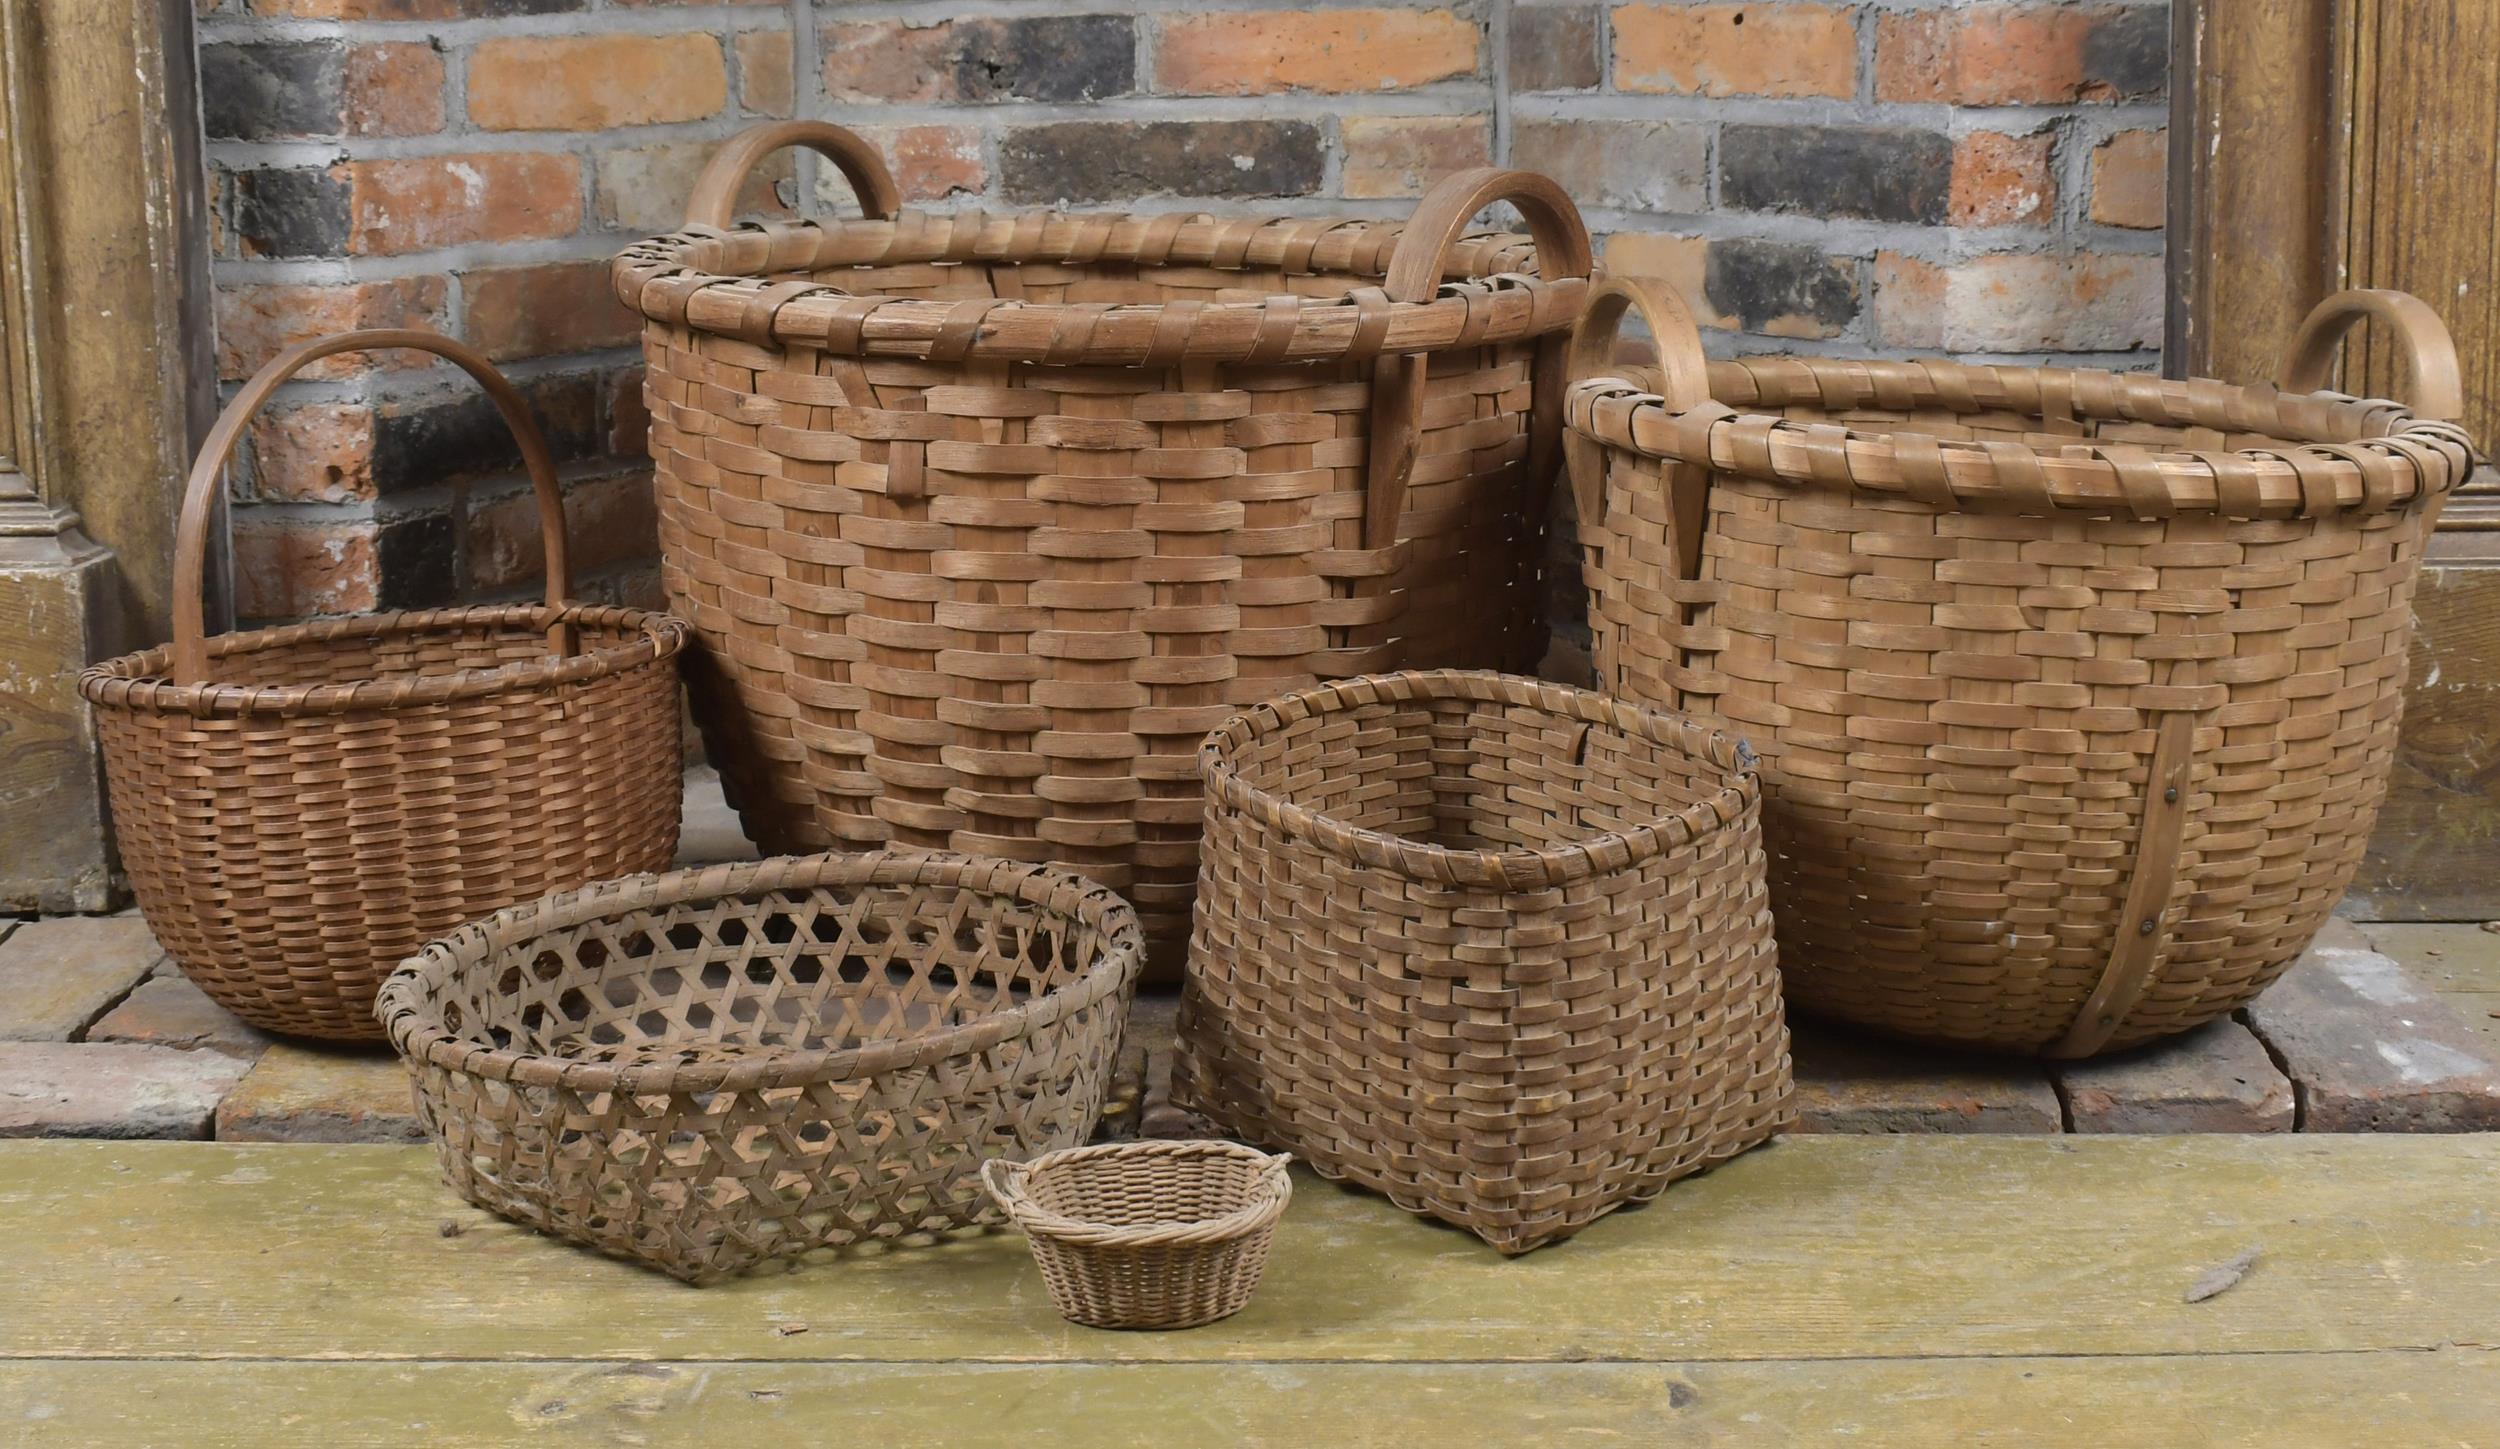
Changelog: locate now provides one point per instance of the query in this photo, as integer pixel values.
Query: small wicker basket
(710, 1069)
(302, 807)
(1146, 1234)
(1496, 948)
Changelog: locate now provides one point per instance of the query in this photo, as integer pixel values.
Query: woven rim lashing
(2075, 691)
(1495, 947)
(1511, 870)
(983, 521)
(709, 1069)
(300, 807)
(1146, 1234)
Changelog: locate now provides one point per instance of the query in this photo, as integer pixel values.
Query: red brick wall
(1970, 176)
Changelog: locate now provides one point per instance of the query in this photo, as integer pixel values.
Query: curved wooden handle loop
(1416, 267)
(199, 494)
(715, 195)
(2431, 355)
(1684, 383)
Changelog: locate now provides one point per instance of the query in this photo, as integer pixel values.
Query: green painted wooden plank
(2277, 1401)
(1814, 1248)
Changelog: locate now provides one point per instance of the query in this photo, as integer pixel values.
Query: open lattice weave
(711, 1068)
(2075, 692)
(1496, 948)
(985, 521)
(1146, 1234)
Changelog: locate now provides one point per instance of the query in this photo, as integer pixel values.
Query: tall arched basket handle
(1684, 383)
(715, 195)
(1415, 271)
(199, 495)
(2430, 354)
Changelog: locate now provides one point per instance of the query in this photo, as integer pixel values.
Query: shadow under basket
(1146, 1234)
(709, 1069)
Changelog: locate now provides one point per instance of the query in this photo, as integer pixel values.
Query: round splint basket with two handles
(2074, 691)
(983, 522)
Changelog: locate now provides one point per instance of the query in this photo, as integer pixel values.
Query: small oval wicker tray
(1146, 1234)
(710, 1069)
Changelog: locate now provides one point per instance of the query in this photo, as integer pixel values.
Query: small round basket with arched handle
(2075, 692)
(302, 807)
(1146, 1234)
(983, 521)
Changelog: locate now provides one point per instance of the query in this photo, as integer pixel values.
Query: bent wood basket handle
(2430, 353)
(199, 493)
(715, 195)
(1684, 383)
(1415, 271)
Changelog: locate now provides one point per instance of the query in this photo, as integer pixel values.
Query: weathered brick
(607, 521)
(410, 9)
(1041, 58)
(593, 82)
(292, 212)
(644, 189)
(394, 89)
(544, 310)
(272, 90)
(1878, 173)
(1780, 289)
(1403, 155)
(1554, 48)
(2052, 302)
(1681, 262)
(930, 163)
(1909, 302)
(417, 203)
(256, 323)
(415, 564)
(764, 75)
(2130, 179)
(629, 418)
(168, 1011)
(2216, 1078)
(1737, 50)
(1094, 161)
(109, 1089)
(1854, 1083)
(422, 443)
(1997, 55)
(2371, 1050)
(315, 453)
(1257, 52)
(320, 1094)
(1626, 165)
(60, 973)
(292, 571)
(2002, 180)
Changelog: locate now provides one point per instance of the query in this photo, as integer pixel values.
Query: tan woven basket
(2075, 691)
(1496, 948)
(710, 1069)
(984, 521)
(300, 808)
(1146, 1234)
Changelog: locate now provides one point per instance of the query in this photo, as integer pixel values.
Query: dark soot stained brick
(1060, 58)
(280, 89)
(1553, 48)
(1757, 281)
(2128, 53)
(291, 213)
(415, 446)
(414, 556)
(1875, 173)
(1090, 161)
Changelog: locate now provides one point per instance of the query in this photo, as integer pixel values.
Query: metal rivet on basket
(2146, 927)
(2170, 796)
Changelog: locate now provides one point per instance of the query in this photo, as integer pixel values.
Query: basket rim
(417, 1034)
(714, 280)
(139, 682)
(1266, 1197)
(2351, 455)
(1506, 870)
